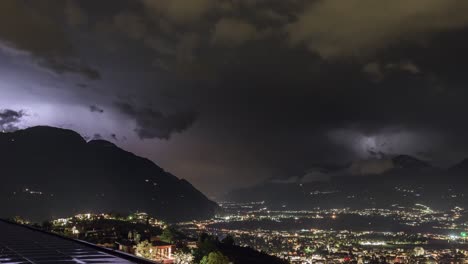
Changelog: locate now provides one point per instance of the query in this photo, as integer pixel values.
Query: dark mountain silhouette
(409, 162)
(51, 172)
(461, 167)
(405, 181)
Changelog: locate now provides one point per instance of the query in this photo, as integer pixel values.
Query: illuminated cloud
(378, 71)
(9, 119)
(233, 32)
(132, 25)
(336, 28)
(180, 11)
(35, 32)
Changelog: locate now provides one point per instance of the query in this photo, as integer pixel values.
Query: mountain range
(401, 181)
(49, 172)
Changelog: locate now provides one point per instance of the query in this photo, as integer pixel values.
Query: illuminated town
(301, 242)
(415, 234)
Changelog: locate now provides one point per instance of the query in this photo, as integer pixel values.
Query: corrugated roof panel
(19, 244)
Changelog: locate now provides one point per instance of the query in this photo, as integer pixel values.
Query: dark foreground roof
(20, 244)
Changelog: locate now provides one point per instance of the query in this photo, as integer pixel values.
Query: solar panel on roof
(19, 244)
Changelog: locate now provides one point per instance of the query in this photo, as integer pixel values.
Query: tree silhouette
(228, 240)
(215, 258)
(144, 250)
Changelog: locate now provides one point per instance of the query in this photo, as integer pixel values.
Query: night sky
(230, 93)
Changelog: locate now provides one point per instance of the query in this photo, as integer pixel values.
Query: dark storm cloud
(281, 102)
(70, 65)
(279, 87)
(408, 106)
(36, 29)
(361, 27)
(154, 124)
(96, 109)
(9, 119)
